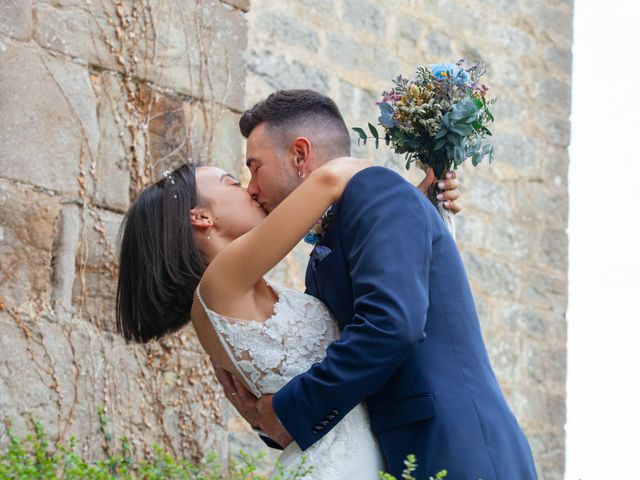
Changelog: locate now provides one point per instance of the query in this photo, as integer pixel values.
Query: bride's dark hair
(160, 265)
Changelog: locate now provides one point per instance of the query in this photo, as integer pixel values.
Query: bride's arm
(237, 268)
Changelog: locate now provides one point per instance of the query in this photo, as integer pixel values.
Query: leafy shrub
(33, 457)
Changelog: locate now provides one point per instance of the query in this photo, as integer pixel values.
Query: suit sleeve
(386, 235)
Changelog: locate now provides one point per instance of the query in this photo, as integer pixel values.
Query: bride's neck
(210, 247)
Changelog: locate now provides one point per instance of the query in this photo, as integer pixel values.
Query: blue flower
(386, 115)
(442, 70)
(445, 70)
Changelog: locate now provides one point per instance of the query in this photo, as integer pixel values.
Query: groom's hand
(270, 424)
(242, 399)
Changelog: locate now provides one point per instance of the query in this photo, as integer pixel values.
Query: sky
(603, 385)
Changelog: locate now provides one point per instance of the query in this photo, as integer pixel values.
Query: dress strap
(201, 300)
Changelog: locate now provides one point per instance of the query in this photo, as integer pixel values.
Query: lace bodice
(268, 354)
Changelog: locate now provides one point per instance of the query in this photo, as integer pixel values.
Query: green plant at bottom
(32, 457)
(410, 465)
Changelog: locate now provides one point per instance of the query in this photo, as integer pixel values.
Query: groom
(411, 346)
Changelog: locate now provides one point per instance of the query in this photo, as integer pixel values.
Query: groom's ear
(302, 151)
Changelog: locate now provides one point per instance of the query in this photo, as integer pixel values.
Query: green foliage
(410, 466)
(33, 457)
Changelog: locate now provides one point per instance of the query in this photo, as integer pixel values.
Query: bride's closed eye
(230, 180)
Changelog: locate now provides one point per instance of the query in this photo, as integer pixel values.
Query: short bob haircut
(160, 265)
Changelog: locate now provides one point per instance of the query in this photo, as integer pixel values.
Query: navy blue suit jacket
(411, 346)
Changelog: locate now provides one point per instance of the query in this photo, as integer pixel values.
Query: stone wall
(512, 231)
(98, 97)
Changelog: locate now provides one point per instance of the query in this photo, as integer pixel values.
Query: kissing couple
(381, 357)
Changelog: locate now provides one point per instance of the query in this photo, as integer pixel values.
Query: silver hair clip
(167, 174)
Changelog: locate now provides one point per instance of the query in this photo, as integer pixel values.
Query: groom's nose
(253, 189)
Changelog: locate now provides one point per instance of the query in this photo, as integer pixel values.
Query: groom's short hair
(291, 113)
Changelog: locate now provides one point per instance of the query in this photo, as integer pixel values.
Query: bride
(195, 246)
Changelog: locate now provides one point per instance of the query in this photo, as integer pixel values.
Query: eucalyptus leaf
(374, 130)
(360, 132)
(441, 133)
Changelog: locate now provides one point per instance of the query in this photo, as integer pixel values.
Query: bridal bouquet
(439, 119)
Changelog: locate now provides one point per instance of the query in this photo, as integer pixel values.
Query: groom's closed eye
(253, 165)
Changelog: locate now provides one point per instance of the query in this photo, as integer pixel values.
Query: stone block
(49, 119)
(408, 30)
(555, 249)
(488, 195)
(15, 18)
(504, 357)
(512, 240)
(490, 276)
(545, 291)
(64, 258)
(509, 110)
(560, 60)
(472, 229)
(366, 16)
(449, 13)
(99, 233)
(556, 21)
(221, 144)
(324, 9)
(288, 30)
(28, 223)
(511, 39)
(438, 44)
(519, 151)
(188, 47)
(112, 177)
(505, 75)
(358, 58)
(556, 94)
(357, 105)
(281, 73)
(535, 200)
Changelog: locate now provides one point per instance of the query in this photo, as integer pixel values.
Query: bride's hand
(338, 172)
(448, 189)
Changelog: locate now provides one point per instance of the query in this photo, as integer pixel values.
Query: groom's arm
(386, 234)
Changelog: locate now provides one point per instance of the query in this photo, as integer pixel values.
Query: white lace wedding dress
(268, 354)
